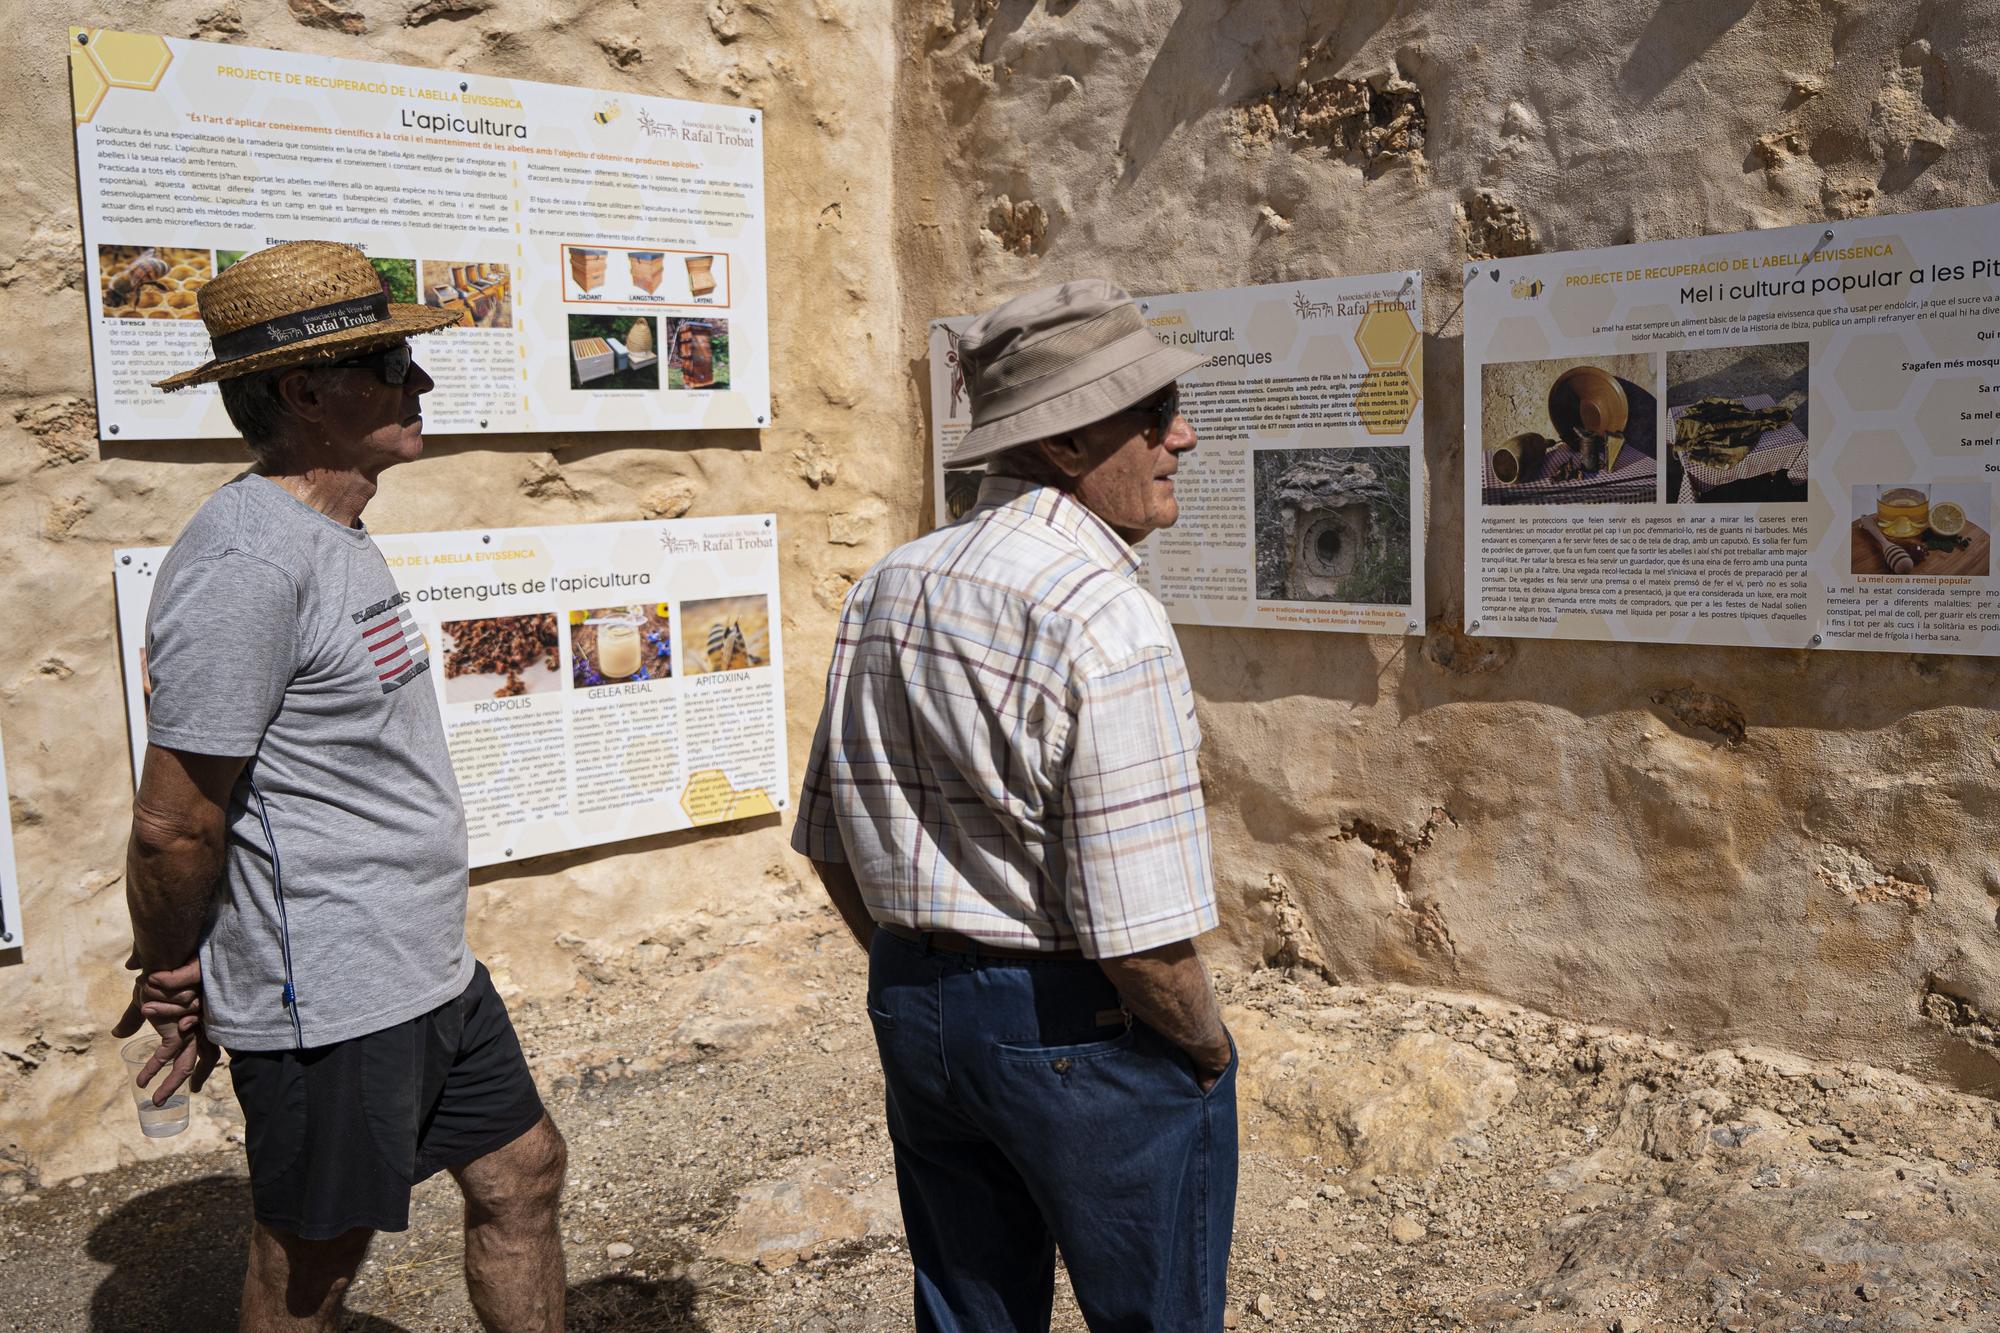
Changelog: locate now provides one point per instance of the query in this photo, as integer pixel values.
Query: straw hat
(1057, 359)
(296, 304)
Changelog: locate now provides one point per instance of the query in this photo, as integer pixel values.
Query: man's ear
(1067, 454)
(299, 392)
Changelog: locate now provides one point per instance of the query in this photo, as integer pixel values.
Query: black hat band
(284, 330)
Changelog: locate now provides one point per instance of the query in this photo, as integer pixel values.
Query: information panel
(603, 253)
(11, 934)
(1775, 439)
(1301, 507)
(599, 681)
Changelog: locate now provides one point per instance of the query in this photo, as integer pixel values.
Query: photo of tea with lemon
(1922, 528)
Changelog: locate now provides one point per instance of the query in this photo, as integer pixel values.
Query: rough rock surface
(1411, 1160)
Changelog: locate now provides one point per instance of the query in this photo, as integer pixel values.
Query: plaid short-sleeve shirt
(1008, 747)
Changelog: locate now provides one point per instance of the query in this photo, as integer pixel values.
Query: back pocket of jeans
(1023, 1053)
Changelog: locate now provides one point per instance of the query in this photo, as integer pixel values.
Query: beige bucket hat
(296, 304)
(1057, 359)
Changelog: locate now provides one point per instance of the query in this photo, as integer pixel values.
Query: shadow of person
(640, 1305)
(177, 1256)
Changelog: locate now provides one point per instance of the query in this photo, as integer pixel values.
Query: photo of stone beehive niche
(1571, 431)
(480, 294)
(498, 657)
(961, 490)
(614, 352)
(1736, 424)
(610, 645)
(725, 634)
(1333, 525)
(1939, 529)
(151, 281)
(698, 354)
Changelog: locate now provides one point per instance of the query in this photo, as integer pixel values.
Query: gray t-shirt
(277, 634)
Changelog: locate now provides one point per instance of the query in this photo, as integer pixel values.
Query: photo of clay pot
(1575, 430)
(1736, 424)
(614, 352)
(499, 657)
(481, 294)
(1333, 525)
(1940, 529)
(611, 645)
(152, 282)
(698, 354)
(725, 634)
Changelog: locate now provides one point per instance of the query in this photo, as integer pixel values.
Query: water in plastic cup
(156, 1122)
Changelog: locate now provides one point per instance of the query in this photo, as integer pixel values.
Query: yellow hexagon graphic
(1386, 335)
(131, 59)
(86, 84)
(1385, 401)
(710, 799)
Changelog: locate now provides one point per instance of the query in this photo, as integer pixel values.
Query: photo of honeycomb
(151, 282)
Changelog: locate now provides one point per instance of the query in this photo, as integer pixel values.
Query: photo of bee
(1738, 418)
(725, 634)
(151, 282)
(1577, 430)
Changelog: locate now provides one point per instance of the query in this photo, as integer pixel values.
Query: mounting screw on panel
(6, 937)
(760, 421)
(465, 87)
(114, 430)
(482, 423)
(1473, 625)
(485, 539)
(1817, 640)
(1413, 627)
(83, 39)
(124, 559)
(508, 852)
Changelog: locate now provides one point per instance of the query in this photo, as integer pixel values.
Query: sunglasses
(392, 363)
(1163, 407)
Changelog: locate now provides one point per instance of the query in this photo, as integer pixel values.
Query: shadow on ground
(177, 1253)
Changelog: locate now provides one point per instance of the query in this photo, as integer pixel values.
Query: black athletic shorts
(337, 1135)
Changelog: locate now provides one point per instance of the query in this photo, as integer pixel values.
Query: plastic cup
(155, 1122)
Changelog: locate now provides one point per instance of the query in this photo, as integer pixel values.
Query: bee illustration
(145, 271)
(728, 648)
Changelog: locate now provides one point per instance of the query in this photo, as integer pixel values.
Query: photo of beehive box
(725, 634)
(648, 269)
(1577, 430)
(152, 282)
(613, 352)
(699, 354)
(481, 294)
(701, 275)
(586, 268)
(1737, 424)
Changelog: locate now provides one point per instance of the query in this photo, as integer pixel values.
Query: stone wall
(837, 460)
(1726, 846)
(1761, 847)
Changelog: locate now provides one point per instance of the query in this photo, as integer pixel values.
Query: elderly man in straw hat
(1004, 804)
(297, 875)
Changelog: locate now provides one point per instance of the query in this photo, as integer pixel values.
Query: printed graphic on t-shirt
(394, 645)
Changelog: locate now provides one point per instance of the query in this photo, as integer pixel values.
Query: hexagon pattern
(1386, 336)
(109, 59)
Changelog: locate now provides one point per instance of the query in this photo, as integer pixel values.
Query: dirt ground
(1411, 1161)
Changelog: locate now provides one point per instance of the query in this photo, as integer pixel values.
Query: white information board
(12, 937)
(1301, 507)
(1777, 439)
(599, 681)
(604, 252)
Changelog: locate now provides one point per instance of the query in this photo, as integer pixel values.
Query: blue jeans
(1027, 1115)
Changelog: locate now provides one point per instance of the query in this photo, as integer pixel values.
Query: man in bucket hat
(1004, 804)
(297, 874)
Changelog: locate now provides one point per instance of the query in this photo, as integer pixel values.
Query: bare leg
(513, 1250)
(298, 1285)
